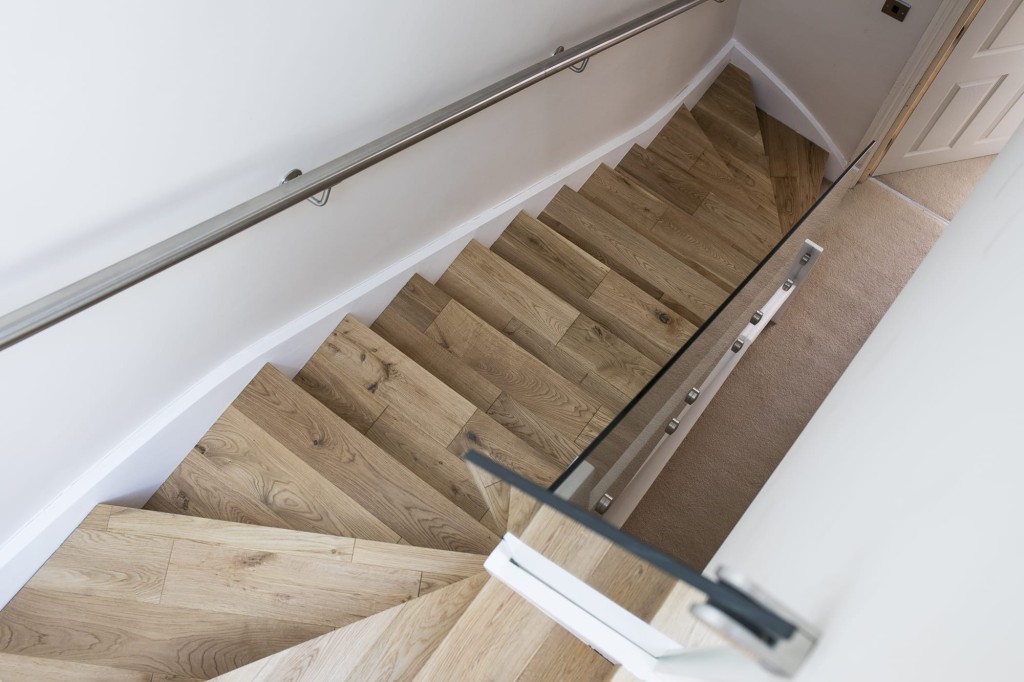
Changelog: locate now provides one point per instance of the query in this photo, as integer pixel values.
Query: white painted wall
(126, 122)
(839, 57)
(894, 523)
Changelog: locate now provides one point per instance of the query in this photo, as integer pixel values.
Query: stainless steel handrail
(74, 298)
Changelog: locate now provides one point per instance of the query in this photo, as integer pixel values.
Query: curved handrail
(74, 298)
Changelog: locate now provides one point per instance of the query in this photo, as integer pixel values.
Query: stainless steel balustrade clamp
(756, 317)
(671, 427)
(316, 201)
(578, 66)
(604, 504)
(692, 395)
(737, 345)
(780, 656)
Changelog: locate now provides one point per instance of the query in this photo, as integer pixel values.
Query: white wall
(839, 57)
(125, 122)
(894, 523)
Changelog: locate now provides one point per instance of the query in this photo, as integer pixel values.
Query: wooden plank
(754, 242)
(488, 437)
(226, 534)
(551, 259)
(393, 645)
(456, 565)
(731, 98)
(100, 563)
(706, 251)
(528, 427)
(255, 464)
(27, 669)
(443, 470)
(550, 396)
(496, 281)
(354, 465)
(674, 183)
(282, 586)
(198, 488)
(144, 637)
(615, 361)
(438, 360)
(575, 269)
(796, 166)
(341, 392)
(382, 371)
(633, 256)
(664, 329)
(598, 424)
(419, 302)
(97, 518)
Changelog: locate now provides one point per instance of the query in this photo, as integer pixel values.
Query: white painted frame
(613, 631)
(771, 311)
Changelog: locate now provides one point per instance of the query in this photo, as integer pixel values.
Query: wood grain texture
(546, 393)
(101, 563)
(552, 260)
(633, 256)
(393, 645)
(479, 275)
(441, 362)
(453, 370)
(486, 436)
(225, 534)
(796, 166)
(139, 636)
(703, 249)
(422, 414)
(198, 488)
(254, 463)
(28, 669)
(282, 586)
(683, 142)
(672, 182)
(357, 467)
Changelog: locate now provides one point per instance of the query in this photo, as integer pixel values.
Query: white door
(975, 102)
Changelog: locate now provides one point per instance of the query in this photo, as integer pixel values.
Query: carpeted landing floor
(872, 246)
(942, 188)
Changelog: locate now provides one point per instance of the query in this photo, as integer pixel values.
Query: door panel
(977, 99)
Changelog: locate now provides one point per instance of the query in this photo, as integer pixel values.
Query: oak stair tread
(501, 403)
(708, 251)
(421, 421)
(796, 166)
(683, 142)
(599, 292)
(137, 594)
(391, 645)
(14, 668)
(635, 257)
(275, 417)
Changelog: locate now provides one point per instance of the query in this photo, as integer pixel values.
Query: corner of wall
(776, 98)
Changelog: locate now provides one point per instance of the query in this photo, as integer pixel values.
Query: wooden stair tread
(683, 142)
(634, 256)
(392, 645)
(137, 594)
(596, 290)
(423, 415)
(14, 668)
(453, 370)
(708, 251)
(239, 472)
(796, 166)
(728, 115)
(576, 352)
(367, 474)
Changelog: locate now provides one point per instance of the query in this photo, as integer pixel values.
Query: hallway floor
(874, 243)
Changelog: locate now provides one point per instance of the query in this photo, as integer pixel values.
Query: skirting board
(775, 97)
(130, 473)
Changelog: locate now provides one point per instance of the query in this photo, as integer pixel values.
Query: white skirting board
(135, 468)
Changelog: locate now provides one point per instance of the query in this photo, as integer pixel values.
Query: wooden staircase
(326, 527)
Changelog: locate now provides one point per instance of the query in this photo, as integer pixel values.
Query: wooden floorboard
(357, 467)
(634, 316)
(796, 166)
(633, 256)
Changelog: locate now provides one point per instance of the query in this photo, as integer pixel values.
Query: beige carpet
(873, 244)
(942, 188)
